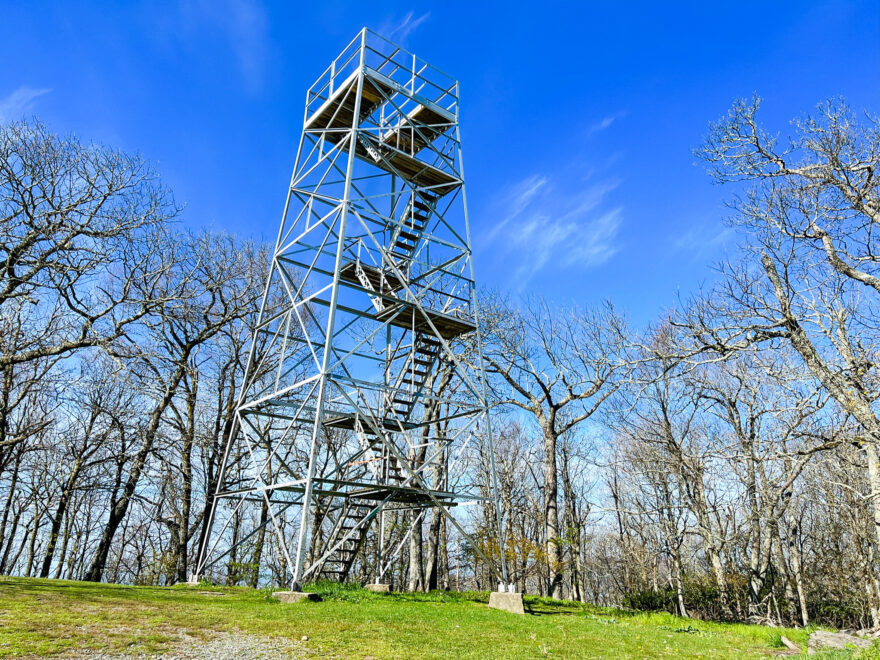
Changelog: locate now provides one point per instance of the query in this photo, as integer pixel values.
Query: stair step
(415, 227)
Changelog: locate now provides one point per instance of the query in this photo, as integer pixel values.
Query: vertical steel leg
(317, 429)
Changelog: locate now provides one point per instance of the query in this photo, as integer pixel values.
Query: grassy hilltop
(48, 617)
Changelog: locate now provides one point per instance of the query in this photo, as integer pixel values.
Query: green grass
(48, 617)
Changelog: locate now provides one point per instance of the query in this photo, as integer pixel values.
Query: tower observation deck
(363, 401)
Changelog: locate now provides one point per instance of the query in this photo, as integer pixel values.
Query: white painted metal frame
(370, 297)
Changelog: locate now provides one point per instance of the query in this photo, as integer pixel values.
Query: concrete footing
(507, 601)
(378, 588)
(295, 596)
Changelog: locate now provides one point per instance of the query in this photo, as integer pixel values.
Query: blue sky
(578, 119)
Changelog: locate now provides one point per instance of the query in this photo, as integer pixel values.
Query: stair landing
(406, 315)
(346, 421)
(391, 283)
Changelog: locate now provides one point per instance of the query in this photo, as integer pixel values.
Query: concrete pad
(509, 602)
(295, 596)
(378, 588)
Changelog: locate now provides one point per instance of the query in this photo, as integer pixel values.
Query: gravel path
(225, 646)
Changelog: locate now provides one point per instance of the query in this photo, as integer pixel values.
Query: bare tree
(207, 289)
(811, 210)
(559, 367)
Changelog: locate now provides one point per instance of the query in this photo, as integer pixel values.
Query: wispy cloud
(398, 30)
(19, 103)
(703, 240)
(246, 27)
(605, 123)
(545, 224)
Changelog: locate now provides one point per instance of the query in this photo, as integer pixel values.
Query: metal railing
(409, 72)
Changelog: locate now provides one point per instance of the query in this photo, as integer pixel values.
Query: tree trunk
(572, 529)
(870, 447)
(38, 517)
(551, 513)
(787, 578)
(711, 541)
(187, 476)
(257, 557)
(232, 572)
(416, 572)
(7, 507)
(4, 562)
(678, 582)
(58, 518)
(65, 540)
(432, 568)
(213, 470)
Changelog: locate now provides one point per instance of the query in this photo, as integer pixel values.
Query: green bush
(703, 601)
(651, 601)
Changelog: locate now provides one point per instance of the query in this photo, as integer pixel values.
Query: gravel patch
(225, 646)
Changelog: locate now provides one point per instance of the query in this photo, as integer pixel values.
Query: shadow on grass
(534, 605)
(355, 593)
(97, 593)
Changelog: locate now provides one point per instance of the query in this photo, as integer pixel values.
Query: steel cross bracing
(364, 383)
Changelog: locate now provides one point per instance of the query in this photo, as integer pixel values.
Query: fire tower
(364, 388)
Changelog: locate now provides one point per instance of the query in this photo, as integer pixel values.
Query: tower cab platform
(395, 149)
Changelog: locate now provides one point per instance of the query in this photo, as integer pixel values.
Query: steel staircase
(382, 464)
(407, 234)
(365, 281)
(416, 363)
(413, 376)
(338, 565)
